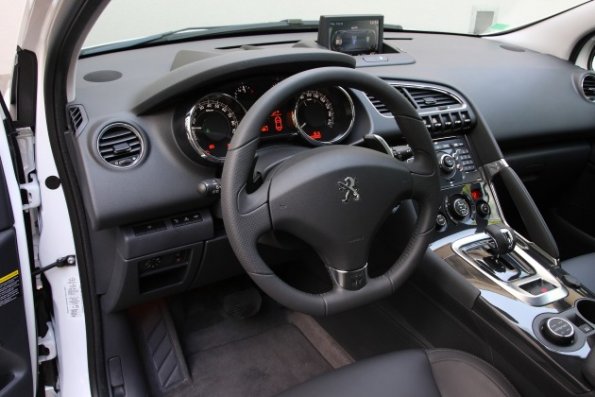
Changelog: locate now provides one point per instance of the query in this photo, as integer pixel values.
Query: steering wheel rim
(248, 215)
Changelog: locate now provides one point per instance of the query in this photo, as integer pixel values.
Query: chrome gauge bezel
(339, 137)
(191, 136)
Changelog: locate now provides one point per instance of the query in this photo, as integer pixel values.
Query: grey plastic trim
(220, 68)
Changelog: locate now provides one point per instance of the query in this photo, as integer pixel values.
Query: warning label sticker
(74, 305)
(10, 287)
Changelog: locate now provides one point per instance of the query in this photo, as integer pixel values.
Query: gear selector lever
(502, 240)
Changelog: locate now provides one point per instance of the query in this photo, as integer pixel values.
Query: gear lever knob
(503, 240)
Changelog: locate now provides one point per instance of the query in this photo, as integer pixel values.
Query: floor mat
(261, 365)
(257, 356)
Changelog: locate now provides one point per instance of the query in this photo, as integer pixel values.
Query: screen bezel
(325, 30)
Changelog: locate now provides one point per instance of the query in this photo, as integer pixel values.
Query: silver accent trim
(514, 287)
(351, 280)
(382, 143)
(493, 168)
(341, 136)
(132, 129)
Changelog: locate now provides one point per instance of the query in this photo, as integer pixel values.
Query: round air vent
(121, 145)
(588, 87)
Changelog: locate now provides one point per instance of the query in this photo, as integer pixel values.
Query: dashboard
(149, 130)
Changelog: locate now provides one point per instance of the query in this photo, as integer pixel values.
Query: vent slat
(427, 98)
(77, 117)
(589, 87)
(120, 145)
(420, 98)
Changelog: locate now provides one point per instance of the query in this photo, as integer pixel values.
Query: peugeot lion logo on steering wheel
(349, 186)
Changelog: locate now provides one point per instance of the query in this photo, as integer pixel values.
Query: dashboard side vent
(120, 145)
(77, 117)
(429, 98)
(588, 87)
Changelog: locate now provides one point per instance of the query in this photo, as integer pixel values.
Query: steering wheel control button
(483, 209)
(460, 208)
(558, 330)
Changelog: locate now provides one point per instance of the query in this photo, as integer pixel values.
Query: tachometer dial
(324, 116)
(210, 125)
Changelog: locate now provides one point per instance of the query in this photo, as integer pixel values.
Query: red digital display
(316, 135)
(277, 120)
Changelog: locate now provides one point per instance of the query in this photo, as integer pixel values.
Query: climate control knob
(460, 207)
(447, 163)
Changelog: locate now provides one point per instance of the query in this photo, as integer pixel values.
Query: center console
(545, 314)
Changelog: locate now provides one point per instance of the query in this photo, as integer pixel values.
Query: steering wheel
(334, 198)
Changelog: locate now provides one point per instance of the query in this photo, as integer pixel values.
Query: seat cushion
(411, 373)
(583, 269)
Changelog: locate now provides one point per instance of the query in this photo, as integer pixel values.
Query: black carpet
(261, 365)
(257, 356)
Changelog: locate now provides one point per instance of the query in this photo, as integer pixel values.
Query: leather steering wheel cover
(242, 227)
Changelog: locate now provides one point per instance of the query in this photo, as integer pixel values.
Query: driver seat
(411, 373)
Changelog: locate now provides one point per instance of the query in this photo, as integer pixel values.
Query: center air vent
(588, 87)
(427, 98)
(442, 112)
(120, 145)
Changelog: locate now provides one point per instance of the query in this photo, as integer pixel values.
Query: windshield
(124, 20)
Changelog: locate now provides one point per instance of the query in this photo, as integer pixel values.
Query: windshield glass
(129, 19)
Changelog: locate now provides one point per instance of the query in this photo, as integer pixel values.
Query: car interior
(331, 209)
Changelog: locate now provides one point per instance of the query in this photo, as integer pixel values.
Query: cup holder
(586, 309)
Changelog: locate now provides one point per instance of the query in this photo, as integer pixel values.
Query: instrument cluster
(319, 115)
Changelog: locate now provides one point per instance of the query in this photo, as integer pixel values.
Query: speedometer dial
(210, 125)
(324, 116)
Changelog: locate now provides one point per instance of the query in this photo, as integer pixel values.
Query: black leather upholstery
(412, 373)
(583, 269)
